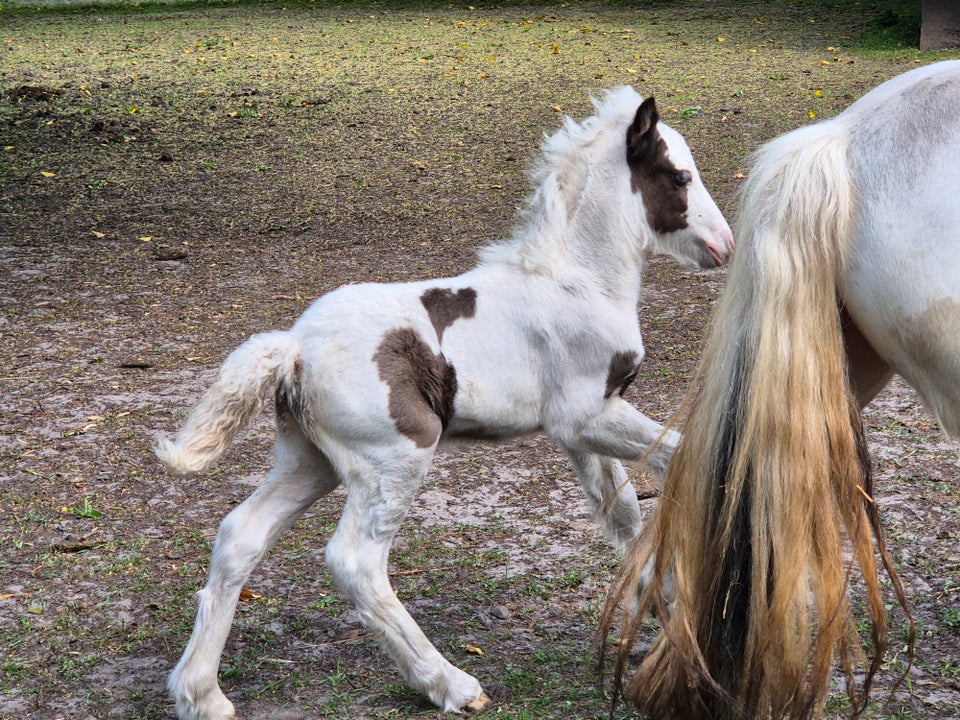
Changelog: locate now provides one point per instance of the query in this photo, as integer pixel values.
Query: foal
(542, 336)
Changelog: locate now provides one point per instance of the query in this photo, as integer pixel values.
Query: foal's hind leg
(379, 495)
(300, 476)
(612, 498)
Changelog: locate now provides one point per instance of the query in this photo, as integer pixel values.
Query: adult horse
(541, 336)
(847, 270)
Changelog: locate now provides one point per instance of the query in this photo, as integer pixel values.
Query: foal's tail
(263, 363)
(770, 477)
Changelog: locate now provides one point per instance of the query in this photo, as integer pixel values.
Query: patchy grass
(176, 176)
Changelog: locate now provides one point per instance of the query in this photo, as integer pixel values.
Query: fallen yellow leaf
(98, 234)
(145, 238)
(249, 596)
(473, 649)
(47, 174)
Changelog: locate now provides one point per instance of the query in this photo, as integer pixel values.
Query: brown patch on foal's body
(660, 183)
(444, 306)
(622, 372)
(422, 385)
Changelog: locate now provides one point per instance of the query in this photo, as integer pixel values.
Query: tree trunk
(940, 24)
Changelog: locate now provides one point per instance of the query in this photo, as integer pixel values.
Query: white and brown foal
(542, 336)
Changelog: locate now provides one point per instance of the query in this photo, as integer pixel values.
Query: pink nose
(720, 246)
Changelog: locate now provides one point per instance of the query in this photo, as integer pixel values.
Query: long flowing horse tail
(743, 560)
(263, 363)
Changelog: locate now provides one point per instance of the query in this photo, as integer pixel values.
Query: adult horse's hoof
(477, 704)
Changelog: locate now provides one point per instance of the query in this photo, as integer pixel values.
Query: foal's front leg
(594, 445)
(612, 498)
(622, 431)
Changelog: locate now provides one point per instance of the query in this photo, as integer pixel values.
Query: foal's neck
(595, 260)
(603, 247)
(592, 240)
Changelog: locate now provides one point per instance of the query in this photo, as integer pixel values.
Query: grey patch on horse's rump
(622, 372)
(422, 385)
(444, 306)
(652, 174)
(932, 334)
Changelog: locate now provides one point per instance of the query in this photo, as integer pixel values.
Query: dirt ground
(138, 247)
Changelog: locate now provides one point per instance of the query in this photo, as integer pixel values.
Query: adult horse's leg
(379, 495)
(612, 498)
(300, 476)
(926, 356)
(869, 373)
(929, 359)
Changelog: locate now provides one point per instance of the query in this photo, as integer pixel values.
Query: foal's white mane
(559, 176)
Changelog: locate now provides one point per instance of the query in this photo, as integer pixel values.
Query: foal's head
(685, 221)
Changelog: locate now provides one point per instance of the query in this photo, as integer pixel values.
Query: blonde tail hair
(770, 478)
(263, 363)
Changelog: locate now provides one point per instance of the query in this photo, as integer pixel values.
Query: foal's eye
(682, 178)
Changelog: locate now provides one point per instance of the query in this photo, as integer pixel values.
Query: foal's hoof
(477, 704)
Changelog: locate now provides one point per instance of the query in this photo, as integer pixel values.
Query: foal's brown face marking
(422, 385)
(661, 184)
(444, 306)
(622, 372)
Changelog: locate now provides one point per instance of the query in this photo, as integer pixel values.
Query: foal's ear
(646, 119)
